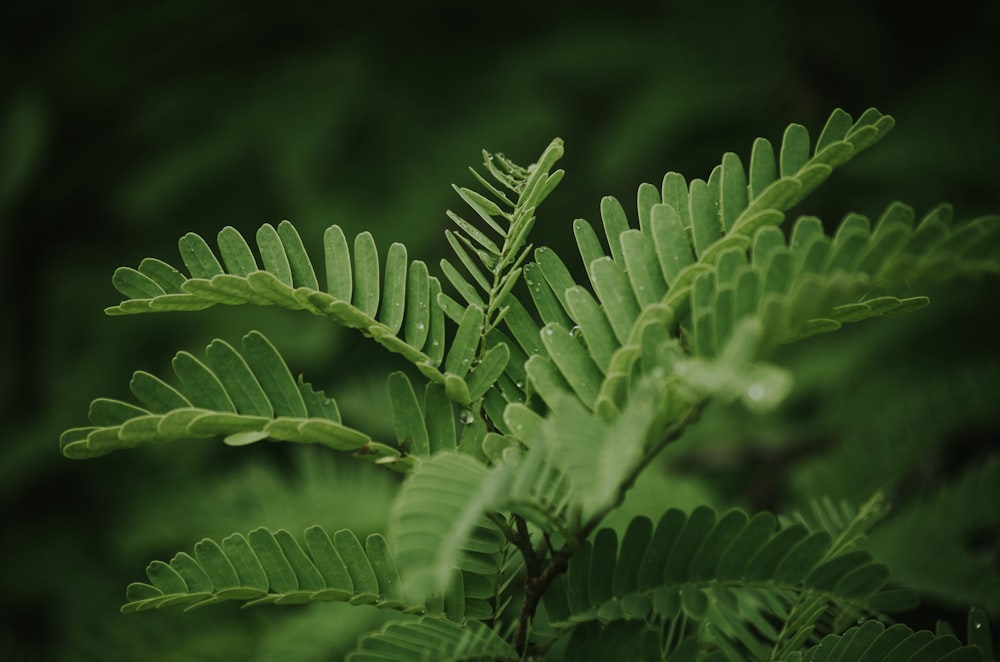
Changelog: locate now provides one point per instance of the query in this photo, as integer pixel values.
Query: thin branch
(535, 585)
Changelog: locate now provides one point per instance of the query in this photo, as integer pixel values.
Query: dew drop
(466, 417)
(575, 331)
(756, 392)
(420, 326)
(978, 625)
(549, 331)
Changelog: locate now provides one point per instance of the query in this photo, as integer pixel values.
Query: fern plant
(535, 395)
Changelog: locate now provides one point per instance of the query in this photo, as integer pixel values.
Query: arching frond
(398, 310)
(815, 283)
(438, 525)
(493, 258)
(847, 524)
(873, 642)
(267, 567)
(433, 640)
(931, 542)
(725, 576)
(703, 261)
(684, 232)
(243, 398)
(497, 263)
(684, 227)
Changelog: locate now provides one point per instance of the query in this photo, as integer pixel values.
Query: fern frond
(242, 398)
(847, 525)
(495, 264)
(510, 220)
(398, 310)
(686, 235)
(816, 283)
(267, 567)
(873, 642)
(716, 571)
(432, 640)
(439, 524)
(810, 285)
(687, 227)
(930, 542)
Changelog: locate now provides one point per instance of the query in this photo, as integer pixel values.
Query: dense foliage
(538, 386)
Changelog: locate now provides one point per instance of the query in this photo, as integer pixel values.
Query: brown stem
(536, 582)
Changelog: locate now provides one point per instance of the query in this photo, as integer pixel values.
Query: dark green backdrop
(125, 125)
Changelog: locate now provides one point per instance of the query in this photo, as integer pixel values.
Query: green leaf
(280, 576)
(274, 377)
(555, 273)
(699, 524)
(484, 375)
(572, 359)
(244, 559)
(306, 575)
(362, 574)
(238, 380)
(615, 292)
(546, 302)
(418, 303)
(407, 415)
(763, 169)
(135, 284)
(705, 223)
(643, 268)
(339, 274)
(466, 342)
(434, 515)
(198, 257)
(167, 277)
(328, 561)
(675, 194)
(456, 243)
(836, 128)
(432, 639)
(158, 396)
(384, 566)
(303, 274)
(366, 274)
(464, 287)
(615, 223)
(394, 297)
(794, 150)
(273, 255)
(671, 242)
(440, 419)
(588, 244)
(236, 253)
(216, 565)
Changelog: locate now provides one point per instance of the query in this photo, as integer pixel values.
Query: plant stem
(537, 581)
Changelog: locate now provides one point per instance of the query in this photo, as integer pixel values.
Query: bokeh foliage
(125, 126)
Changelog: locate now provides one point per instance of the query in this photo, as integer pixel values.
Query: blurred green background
(124, 126)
